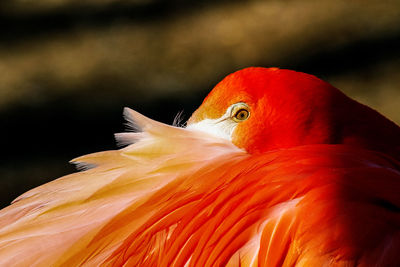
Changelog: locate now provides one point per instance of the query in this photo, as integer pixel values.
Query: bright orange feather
(322, 189)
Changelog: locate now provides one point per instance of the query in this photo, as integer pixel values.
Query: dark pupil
(241, 114)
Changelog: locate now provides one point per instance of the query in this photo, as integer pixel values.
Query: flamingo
(275, 168)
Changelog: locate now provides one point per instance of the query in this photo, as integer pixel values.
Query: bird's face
(261, 109)
(225, 125)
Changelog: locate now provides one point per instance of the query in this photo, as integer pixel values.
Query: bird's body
(276, 168)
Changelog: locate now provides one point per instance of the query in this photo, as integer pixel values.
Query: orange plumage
(276, 168)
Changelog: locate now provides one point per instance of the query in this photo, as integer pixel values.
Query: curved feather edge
(180, 197)
(69, 210)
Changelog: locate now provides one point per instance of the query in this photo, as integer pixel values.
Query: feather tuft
(132, 123)
(178, 120)
(83, 166)
(125, 139)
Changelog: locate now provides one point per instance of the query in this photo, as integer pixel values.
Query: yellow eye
(240, 112)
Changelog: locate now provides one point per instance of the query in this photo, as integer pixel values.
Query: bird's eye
(240, 112)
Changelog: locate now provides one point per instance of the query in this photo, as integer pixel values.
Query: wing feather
(75, 210)
(179, 197)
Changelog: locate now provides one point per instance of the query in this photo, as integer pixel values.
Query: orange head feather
(289, 108)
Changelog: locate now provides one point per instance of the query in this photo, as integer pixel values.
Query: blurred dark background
(68, 67)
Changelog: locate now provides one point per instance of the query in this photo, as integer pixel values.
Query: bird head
(262, 109)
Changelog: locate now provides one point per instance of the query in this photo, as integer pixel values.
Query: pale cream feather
(48, 224)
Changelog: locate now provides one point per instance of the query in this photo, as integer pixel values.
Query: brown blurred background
(68, 67)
